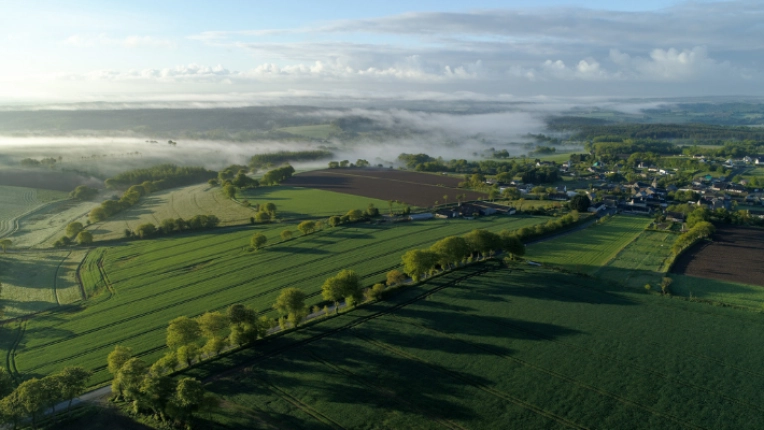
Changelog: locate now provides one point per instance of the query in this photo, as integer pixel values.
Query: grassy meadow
(144, 284)
(41, 228)
(642, 261)
(587, 250)
(35, 282)
(17, 201)
(298, 202)
(511, 348)
(717, 291)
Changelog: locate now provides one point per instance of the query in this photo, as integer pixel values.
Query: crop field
(507, 348)
(587, 250)
(145, 284)
(735, 255)
(17, 201)
(184, 202)
(641, 262)
(38, 281)
(416, 189)
(44, 226)
(297, 202)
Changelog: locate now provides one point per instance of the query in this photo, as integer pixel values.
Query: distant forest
(589, 129)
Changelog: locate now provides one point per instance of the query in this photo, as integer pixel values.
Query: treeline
(32, 162)
(699, 231)
(454, 250)
(276, 158)
(277, 176)
(162, 176)
(75, 231)
(703, 132)
(33, 397)
(733, 149)
(130, 197)
(346, 163)
(426, 163)
(176, 225)
(629, 146)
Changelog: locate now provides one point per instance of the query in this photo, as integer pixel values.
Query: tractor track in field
(318, 416)
(351, 324)
(565, 378)
(10, 356)
(55, 278)
(482, 387)
(389, 394)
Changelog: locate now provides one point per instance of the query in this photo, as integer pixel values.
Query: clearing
(505, 348)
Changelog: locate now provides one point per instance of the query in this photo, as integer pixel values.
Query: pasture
(641, 262)
(298, 202)
(145, 284)
(17, 201)
(508, 348)
(39, 281)
(587, 250)
(718, 291)
(44, 226)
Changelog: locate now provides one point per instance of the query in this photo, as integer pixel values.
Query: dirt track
(736, 254)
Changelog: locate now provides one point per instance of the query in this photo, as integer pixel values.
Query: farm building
(446, 213)
(675, 216)
(421, 217)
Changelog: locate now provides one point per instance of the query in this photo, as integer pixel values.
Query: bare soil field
(412, 188)
(736, 254)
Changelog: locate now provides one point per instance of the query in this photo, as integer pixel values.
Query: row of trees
(275, 158)
(699, 231)
(346, 163)
(34, 396)
(45, 162)
(130, 197)
(75, 231)
(152, 390)
(170, 225)
(162, 176)
(277, 176)
(83, 192)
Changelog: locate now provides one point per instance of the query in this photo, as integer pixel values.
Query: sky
(245, 51)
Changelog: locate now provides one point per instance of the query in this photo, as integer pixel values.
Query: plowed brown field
(736, 254)
(412, 188)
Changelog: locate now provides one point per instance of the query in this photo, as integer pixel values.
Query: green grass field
(641, 262)
(521, 348)
(36, 282)
(320, 131)
(587, 250)
(17, 201)
(42, 227)
(297, 202)
(722, 292)
(144, 284)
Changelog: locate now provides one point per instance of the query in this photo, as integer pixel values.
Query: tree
(213, 324)
(451, 250)
(85, 237)
(334, 221)
(146, 230)
(187, 353)
(262, 217)
(166, 364)
(83, 192)
(182, 331)
(5, 244)
(229, 191)
(580, 202)
(168, 225)
(334, 165)
(239, 314)
(6, 383)
(73, 228)
(346, 284)
(258, 240)
(306, 227)
(519, 204)
(286, 235)
(189, 395)
(511, 193)
(117, 358)
(355, 215)
(291, 302)
(665, 284)
(270, 208)
(31, 398)
(375, 292)
(482, 241)
(371, 211)
(512, 244)
(73, 380)
(157, 391)
(395, 277)
(12, 409)
(127, 381)
(419, 261)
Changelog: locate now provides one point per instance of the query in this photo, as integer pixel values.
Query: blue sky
(149, 50)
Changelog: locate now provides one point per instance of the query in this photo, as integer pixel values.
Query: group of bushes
(526, 233)
(265, 214)
(75, 231)
(170, 225)
(130, 197)
(699, 231)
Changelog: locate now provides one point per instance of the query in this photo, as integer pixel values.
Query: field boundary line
(496, 393)
(55, 277)
(392, 396)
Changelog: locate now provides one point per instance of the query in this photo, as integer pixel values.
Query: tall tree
(31, 398)
(257, 241)
(419, 261)
(213, 324)
(117, 358)
(73, 380)
(451, 250)
(189, 395)
(182, 331)
(345, 285)
(482, 241)
(85, 237)
(5, 244)
(73, 228)
(286, 235)
(291, 302)
(395, 277)
(306, 227)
